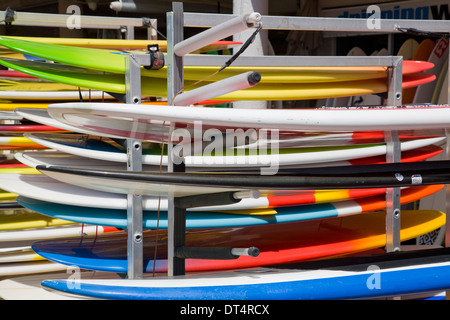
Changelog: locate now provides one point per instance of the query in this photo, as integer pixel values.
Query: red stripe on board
(298, 199)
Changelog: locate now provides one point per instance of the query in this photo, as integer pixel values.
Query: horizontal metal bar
(60, 20)
(320, 23)
(291, 61)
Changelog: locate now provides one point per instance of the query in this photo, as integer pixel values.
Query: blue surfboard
(283, 243)
(202, 219)
(374, 276)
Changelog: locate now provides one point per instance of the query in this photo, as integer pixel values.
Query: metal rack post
(176, 217)
(135, 258)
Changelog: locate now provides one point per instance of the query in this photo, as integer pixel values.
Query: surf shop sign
(417, 10)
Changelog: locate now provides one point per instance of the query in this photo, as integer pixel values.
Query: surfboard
(437, 57)
(30, 267)
(68, 95)
(102, 149)
(52, 232)
(18, 169)
(10, 115)
(443, 95)
(422, 53)
(47, 189)
(7, 196)
(341, 177)
(25, 127)
(124, 44)
(10, 205)
(43, 104)
(40, 115)
(10, 106)
(204, 219)
(34, 85)
(408, 48)
(346, 278)
(278, 244)
(19, 256)
(12, 74)
(110, 61)
(157, 86)
(59, 158)
(25, 219)
(286, 139)
(19, 142)
(126, 120)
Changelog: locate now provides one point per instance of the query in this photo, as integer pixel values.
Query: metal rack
(177, 20)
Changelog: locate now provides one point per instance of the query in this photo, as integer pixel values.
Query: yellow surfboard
(25, 219)
(123, 44)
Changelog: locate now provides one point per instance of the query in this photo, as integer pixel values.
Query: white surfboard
(310, 156)
(21, 268)
(10, 115)
(40, 115)
(131, 121)
(44, 188)
(19, 256)
(52, 232)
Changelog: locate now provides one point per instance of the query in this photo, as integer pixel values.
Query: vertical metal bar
(393, 214)
(134, 163)
(176, 216)
(395, 82)
(151, 31)
(130, 33)
(393, 154)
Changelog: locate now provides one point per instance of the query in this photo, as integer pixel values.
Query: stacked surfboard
(312, 188)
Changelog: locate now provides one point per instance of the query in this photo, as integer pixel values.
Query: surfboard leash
(418, 32)
(243, 48)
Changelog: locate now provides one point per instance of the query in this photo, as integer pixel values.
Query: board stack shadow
(315, 185)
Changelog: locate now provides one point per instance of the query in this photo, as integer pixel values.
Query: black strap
(243, 48)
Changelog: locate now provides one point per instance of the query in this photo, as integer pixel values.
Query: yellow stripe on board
(331, 196)
(7, 196)
(252, 212)
(34, 224)
(21, 170)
